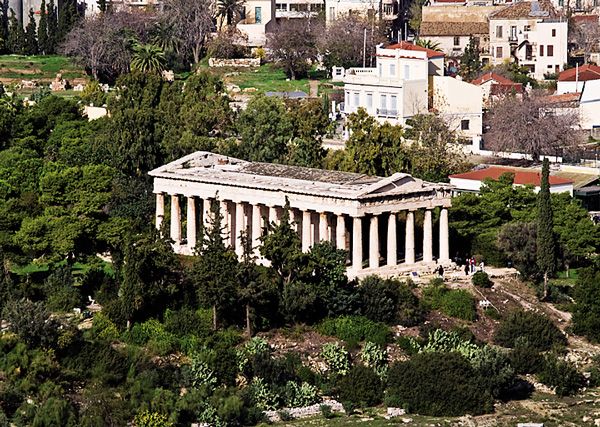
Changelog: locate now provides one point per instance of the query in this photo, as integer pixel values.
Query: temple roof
(214, 168)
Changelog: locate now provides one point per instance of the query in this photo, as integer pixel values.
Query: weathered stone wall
(241, 62)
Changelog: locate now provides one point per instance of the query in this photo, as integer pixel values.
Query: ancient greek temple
(387, 225)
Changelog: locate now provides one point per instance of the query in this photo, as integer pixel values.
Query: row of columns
(239, 216)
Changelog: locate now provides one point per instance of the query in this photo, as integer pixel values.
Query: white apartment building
(531, 33)
(291, 9)
(258, 19)
(385, 9)
(400, 86)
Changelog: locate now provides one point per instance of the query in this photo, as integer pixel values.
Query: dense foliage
(537, 329)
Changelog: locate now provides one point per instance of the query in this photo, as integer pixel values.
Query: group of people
(471, 266)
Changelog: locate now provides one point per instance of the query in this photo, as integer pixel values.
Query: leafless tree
(193, 21)
(102, 44)
(343, 41)
(586, 37)
(535, 125)
(293, 45)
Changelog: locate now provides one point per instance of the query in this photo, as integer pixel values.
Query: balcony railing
(382, 112)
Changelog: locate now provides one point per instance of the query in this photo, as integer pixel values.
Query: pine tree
(31, 44)
(43, 30)
(470, 63)
(52, 28)
(215, 269)
(4, 26)
(546, 243)
(16, 36)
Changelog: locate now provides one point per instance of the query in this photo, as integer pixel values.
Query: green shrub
(263, 396)
(441, 341)
(482, 280)
(326, 412)
(485, 248)
(562, 376)
(201, 375)
(361, 387)
(540, 332)
(460, 304)
(354, 329)
(525, 358)
(586, 316)
(438, 384)
(103, 328)
(299, 395)
(151, 419)
(434, 292)
(186, 321)
(336, 358)
(375, 358)
(389, 301)
(494, 368)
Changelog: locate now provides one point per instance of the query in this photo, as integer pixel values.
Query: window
(554, 32)
(513, 33)
(347, 99)
(332, 13)
(383, 102)
(550, 50)
(561, 3)
(393, 70)
(499, 31)
(549, 67)
(527, 28)
(369, 100)
(406, 72)
(456, 40)
(464, 124)
(498, 51)
(258, 15)
(393, 104)
(356, 99)
(541, 50)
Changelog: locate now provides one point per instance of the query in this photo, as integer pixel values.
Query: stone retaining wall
(241, 62)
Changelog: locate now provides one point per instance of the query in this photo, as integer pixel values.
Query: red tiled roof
(586, 72)
(492, 76)
(522, 177)
(563, 98)
(409, 46)
(584, 19)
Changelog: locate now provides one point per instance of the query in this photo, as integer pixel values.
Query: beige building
(257, 20)
(384, 9)
(451, 26)
(377, 220)
(531, 33)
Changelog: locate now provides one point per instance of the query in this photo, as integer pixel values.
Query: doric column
(306, 240)
(323, 225)
(160, 209)
(191, 222)
(427, 237)
(239, 228)
(392, 253)
(340, 232)
(357, 252)
(444, 236)
(175, 219)
(273, 215)
(206, 214)
(409, 248)
(374, 242)
(256, 227)
(223, 208)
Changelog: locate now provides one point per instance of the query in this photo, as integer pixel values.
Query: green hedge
(540, 333)
(354, 329)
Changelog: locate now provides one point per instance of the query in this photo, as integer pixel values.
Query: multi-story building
(409, 80)
(452, 26)
(292, 9)
(258, 19)
(531, 33)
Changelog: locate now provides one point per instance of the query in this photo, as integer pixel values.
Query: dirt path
(313, 88)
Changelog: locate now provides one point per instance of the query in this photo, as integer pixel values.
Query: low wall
(240, 63)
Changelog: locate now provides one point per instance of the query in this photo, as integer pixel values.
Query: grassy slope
(38, 67)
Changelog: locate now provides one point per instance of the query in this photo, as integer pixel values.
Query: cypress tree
(52, 19)
(43, 30)
(546, 243)
(16, 36)
(31, 44)
(67, 15)
(4, 20)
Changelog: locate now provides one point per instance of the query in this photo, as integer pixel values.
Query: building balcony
(293, 14)
(389, 114)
